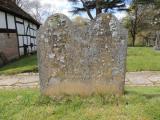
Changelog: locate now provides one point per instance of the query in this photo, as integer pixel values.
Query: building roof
(10, 7)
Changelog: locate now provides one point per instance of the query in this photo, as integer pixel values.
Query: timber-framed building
(17, 31)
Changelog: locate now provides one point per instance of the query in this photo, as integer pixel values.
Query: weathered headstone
(76, 60)
(157, 42)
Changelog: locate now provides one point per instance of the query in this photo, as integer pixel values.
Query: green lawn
(141, 103)
(25, 64)
(143, 59)
(139, 59)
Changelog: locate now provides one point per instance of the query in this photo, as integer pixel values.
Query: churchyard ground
(139, 103)
(24, 64)
(143, 59)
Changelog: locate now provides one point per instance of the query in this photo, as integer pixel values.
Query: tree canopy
(98, 5)
(143, 18)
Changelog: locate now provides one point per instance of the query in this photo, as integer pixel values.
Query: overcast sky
(63, 6)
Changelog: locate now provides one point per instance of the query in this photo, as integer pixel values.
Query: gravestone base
(82, 61)
(83, 89)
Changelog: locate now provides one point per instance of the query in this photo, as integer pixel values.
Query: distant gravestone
(75, 60)
(157, 42)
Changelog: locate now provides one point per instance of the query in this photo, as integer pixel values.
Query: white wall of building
(11, 21)
(20, 29)
(2, 20)
(26, 31)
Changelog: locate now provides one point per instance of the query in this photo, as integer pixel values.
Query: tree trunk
(88, 11)
(89, 14)
(134, 27)
(133, 40)
(98, 9)
(14, 1)
(133, 33)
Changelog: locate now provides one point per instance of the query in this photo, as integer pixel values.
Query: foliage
(138, 103)
(98, 5)
(137, 19)
(35, 9)
(143, 16)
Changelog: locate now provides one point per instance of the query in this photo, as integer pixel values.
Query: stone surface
(82, 60)
(19, 81)
(28, 80)
(147, 78)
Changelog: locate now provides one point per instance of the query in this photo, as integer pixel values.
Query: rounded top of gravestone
(58, 20)
(80, 21)
(103, 15)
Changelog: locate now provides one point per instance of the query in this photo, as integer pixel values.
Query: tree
(20, 3)
(143, 17)
(132, 22)
(98, 5)
(35, 9)
(139, 18)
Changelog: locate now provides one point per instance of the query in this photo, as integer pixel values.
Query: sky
(63, 6)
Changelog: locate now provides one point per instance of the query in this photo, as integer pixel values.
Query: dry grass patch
(82, 89)
(140, 103)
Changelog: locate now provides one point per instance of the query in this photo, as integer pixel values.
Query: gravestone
(82, 60)
(157, 42)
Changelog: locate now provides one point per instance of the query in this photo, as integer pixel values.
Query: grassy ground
(143, 59)
(139, 59)
(25, 64)
(138, 104)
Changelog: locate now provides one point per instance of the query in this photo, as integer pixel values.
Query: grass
(143, 59)
(141, 103)
(24, 64)
(138, 59)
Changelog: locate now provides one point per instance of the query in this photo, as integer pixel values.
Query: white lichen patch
(51, 55)
(46, 40)
(61, 59)
(114, 27)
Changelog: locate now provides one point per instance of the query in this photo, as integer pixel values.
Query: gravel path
(31, 80)
(146, 78)
(27, 80)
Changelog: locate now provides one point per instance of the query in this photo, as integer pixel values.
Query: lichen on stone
(91, 57)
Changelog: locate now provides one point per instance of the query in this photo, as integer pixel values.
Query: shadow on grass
(146, 95)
